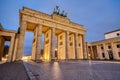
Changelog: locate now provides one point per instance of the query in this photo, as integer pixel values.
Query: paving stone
(13, 71)
(75, 70)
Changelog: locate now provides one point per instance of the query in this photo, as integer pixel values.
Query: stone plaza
(74, 70)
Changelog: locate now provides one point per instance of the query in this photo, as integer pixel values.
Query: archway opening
(29, 36)
(42, 46)
(5, 51)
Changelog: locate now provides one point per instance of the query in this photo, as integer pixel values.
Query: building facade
(108, 49)
(70, 36)
(112, 34)
(7, 35)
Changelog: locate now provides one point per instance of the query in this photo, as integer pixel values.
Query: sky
(97, 16)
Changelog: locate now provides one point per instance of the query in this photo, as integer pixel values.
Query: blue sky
(97, 16)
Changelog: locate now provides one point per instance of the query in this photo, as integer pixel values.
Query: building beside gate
(105, 49)
(7, 35)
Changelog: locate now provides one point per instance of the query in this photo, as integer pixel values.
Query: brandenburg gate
(70, 36)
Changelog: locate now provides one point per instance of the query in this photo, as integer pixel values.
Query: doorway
(110, 53)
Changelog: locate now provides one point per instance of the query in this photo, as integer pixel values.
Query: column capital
(40, 25)
(76, 33)
(52, 28)
(67, 32)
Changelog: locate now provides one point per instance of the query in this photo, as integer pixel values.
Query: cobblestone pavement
(13, 71)
(74, 70)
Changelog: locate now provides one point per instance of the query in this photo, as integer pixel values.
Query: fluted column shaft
(84, 47)
(10, 53)
(20, 48)
(38, 42)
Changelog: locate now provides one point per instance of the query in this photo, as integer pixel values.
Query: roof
(112, 31)
(107, 40)
(11, 31)
(2, 29)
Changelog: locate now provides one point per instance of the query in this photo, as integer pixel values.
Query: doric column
(20, 47)
(2, 41)
(15, 47)
(10, 53)
(115, 55)
(84, 47)
(67, 44)
(105, 52)
(52, 51)
(38, 42)
(76, 45)
(92, 54)
(98, 52)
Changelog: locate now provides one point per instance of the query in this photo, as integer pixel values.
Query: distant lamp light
(55, 49)
(89, 55)
(41, 58)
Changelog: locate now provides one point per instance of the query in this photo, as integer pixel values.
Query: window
(118, 34)
(69, 38)
(55, 53)
(71, 44)
(109, 47)
(102, 48)
(60, 37)
(88, 46)
(119, 54)
(79, 45)
(103, 55)
(61, 43)
(46, 35)
(46, 42)
(118, 46)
